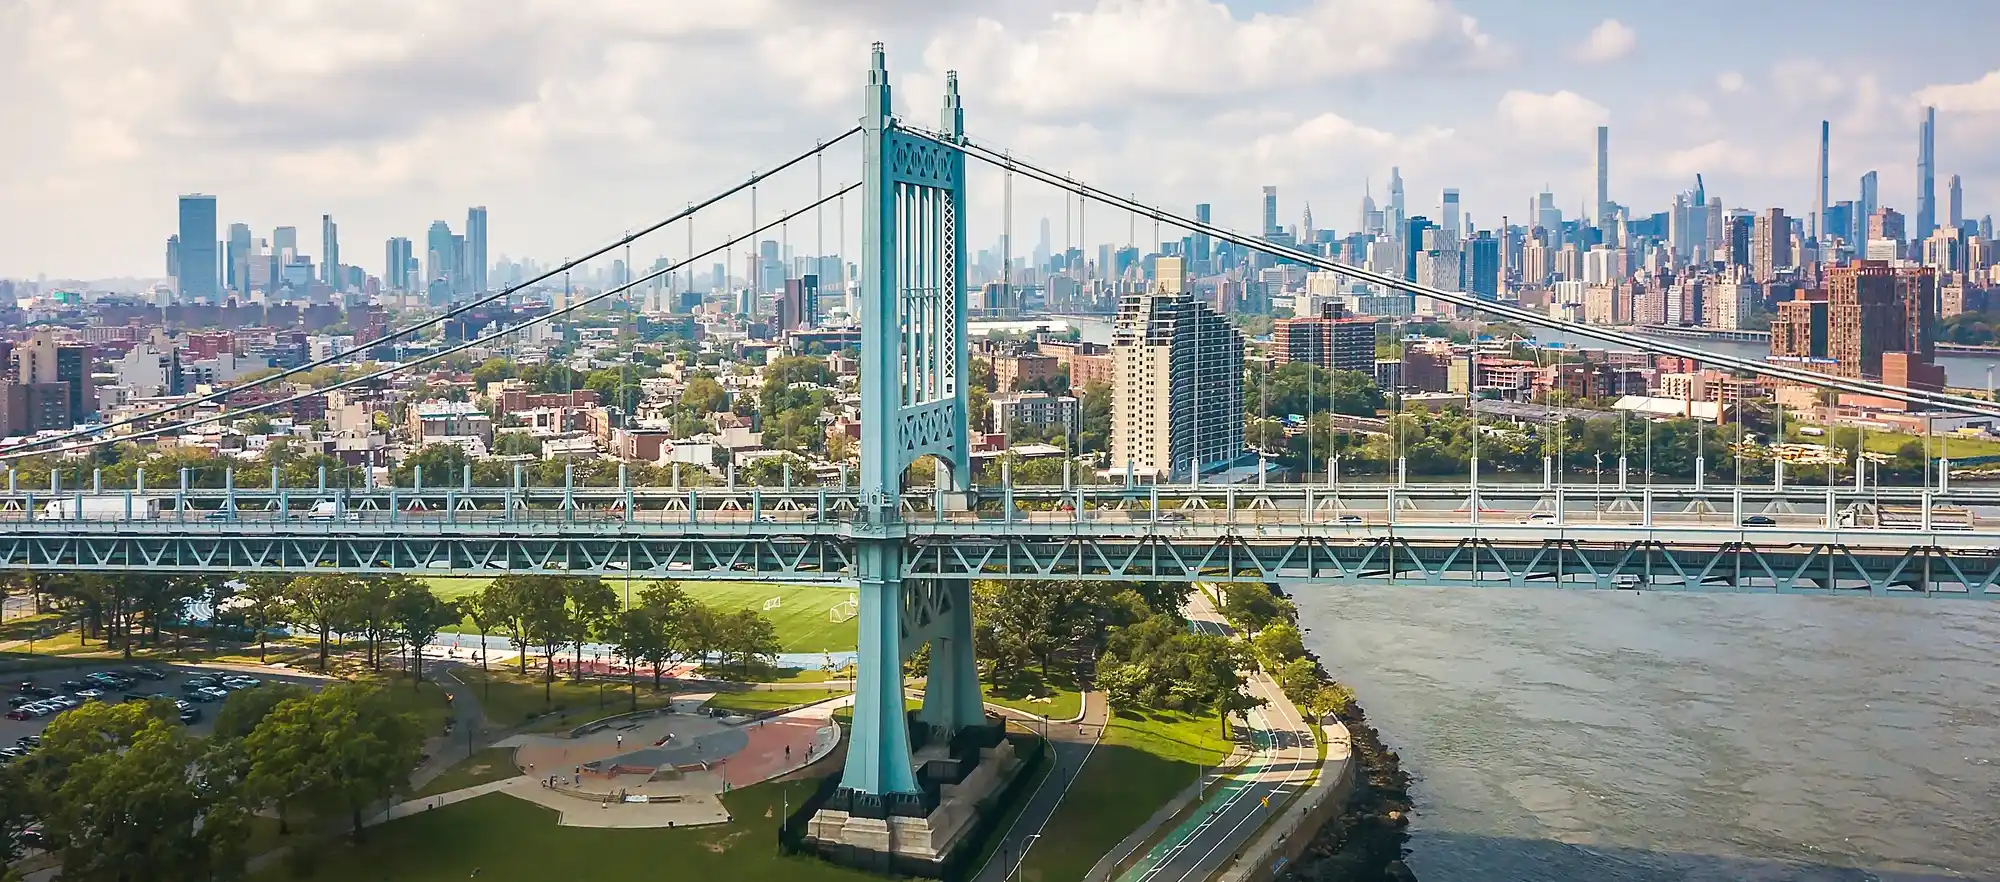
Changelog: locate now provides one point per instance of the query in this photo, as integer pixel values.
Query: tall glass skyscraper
(475, 246)
(329, 261)
(200, 273)
(1927, 175)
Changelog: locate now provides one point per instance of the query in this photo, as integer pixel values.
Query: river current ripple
(1662, 738)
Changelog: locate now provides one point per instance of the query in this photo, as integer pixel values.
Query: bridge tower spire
(913, 405)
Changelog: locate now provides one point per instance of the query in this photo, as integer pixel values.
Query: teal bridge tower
(913, 405)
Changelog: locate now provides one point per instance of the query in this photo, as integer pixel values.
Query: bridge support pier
(879, 771)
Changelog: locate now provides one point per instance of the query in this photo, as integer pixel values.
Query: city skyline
(1511, 98)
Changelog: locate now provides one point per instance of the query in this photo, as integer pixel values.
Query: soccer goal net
(844, 611)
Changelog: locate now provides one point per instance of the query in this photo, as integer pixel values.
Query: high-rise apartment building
(1927, 174)
(1482, 264)
(1604, 177)
(475, 245)
(174, 256)
(1271, 227)
(1332, 340)
(199, 278)
(1202, 214)
(1875, 309)
(1770, 245)
(40, 361)
(237, 258)
(1177, 387)
(329, 258)
(1954, 203)
(440, 256)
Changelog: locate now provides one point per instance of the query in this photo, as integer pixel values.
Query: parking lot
(113, 683)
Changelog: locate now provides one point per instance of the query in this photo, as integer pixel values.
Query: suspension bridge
(911, 552)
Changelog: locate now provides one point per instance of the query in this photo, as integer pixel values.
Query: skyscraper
(1770, 245)
(1177, 402)
(1864, 208)
(1813, 228)
(1483, 262)
(1202, 212)
(1927, 174)
(198, 276)
(1270, 211)
(396, 264)
(1954, 203)
(475, 245)
(174, 256)
(440, 258)
(1448, 205)
(1603, 177)
(329, 258)
(238, 249)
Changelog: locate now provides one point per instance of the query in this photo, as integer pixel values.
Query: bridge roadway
(1903, 541)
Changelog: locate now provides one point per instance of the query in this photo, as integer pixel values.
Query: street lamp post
(1023, 859)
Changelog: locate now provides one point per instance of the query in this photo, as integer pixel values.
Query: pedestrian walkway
(1071, 745)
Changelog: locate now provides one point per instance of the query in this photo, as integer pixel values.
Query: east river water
(1647, 738)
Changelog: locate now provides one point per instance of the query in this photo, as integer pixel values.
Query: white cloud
(1609, 41)
(1121, 51)
(1561, 117)
(1729, 81)
(1979, 96)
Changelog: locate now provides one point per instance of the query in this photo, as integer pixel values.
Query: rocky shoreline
(1366, 843)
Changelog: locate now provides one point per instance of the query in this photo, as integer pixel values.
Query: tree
(374, 613)
(16, 811)
(323, 602)
(418, 615)
(265, 605)
(1298, 679)
(245, 708)
(746, 634)
(668, 611)
(340, 748)
(126, 794)
(516, 444)
(1041, 617)
(1250, 606)
(1094, 434)
(704, 396)
(1277, 645)
(592, 610)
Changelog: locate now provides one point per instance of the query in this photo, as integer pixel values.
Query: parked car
(24, 687)
(198, 683)
(72, 685)
(191, 716)
(38, 691)
(29, 741)
(234, 683)
(208, 693)
(13, 753)
(90, 694)
(148, 672)
(19, 700)
(66, 702)
(22, 713)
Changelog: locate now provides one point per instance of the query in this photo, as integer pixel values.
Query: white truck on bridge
(102, 508)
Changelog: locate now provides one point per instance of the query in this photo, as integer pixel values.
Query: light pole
(1599, 502)
(1023, 859)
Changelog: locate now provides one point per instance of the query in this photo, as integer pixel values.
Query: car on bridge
(1760, 521)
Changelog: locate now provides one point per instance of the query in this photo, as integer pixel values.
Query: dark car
(202, 682)
(20, 713)
(29, 741)
(146, 672)
(73, 685)
(23, 686)
(191, 715)
(19, 700)
(1759, 521)
(39, 691)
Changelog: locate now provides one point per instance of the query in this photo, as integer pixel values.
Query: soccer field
(800, 614)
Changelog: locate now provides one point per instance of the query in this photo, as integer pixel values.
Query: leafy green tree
(374, 614)
(516, 444)
(1298, 679)
(266, 605)
(324, 602)
(704, 396)
(17, 811)
(1250, 606)
(1277, 645)
(592, 609)
(418, 616)
(125, 794)
(245, 708)
(1094, 432)
(748, 635)
(338, 749)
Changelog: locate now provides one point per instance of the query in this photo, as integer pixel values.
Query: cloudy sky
(574, 120)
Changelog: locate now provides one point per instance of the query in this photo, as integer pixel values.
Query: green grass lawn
(801, 614)
(756, 701)
(1060, 701)
(497, 838)
(491, 764)
(1140, 765)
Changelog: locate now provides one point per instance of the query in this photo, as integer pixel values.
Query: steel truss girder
(782, 557)
(1638, 564)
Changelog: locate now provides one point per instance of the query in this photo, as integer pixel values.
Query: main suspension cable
(223, 394)
(1945, 400)
(567, 308)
